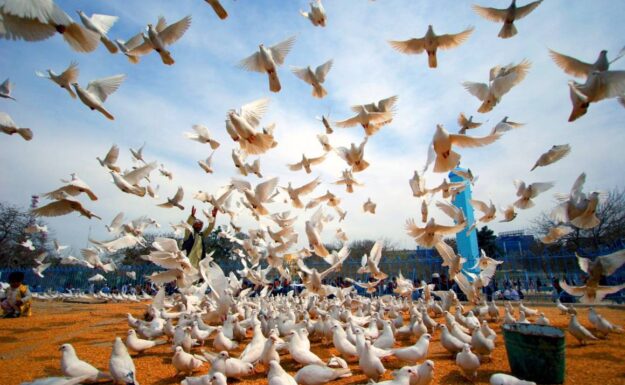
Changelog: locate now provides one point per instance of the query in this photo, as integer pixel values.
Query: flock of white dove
(351, 322)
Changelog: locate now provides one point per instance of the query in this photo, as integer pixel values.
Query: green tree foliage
(486, 240)
(13, 222)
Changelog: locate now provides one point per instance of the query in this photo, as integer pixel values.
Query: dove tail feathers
(446, 164)
(132, 58)
(350, 188)
(259, 144)
(362, 165)
(534, 168)
(432, 59)
(524, 204)
(274, 82)
(166, 57)
(507, 31)
(106, 113)
(25, 133)
(319, 92)
(586, 221)
(321, 250)
(111, 46)
(343, 372)
(219, 10)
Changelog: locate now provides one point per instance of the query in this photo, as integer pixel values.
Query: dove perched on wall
(218, 8)
(430, 43)
(501, 81)
(314, 78)
(34, 20)
(72, 366)
(121, 366)
(160, 36)
(507, 16)
(267, 60)
(100, 24)
(317, 14)
(65, 79)
(8, 126)
(555, 153)
(98, 91)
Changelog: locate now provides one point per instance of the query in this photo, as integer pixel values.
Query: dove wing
(481, 206)
(492, 14)
(253, 112)
(173, 32)
(308, 187)
(479, 90)
(112, 155)
(102, 88)
(612, 262)
(573, 290)
(412, 229)
(412, 46)
(540, 187)
(280, 50)
(453, 40)
(446, 252)
(5, 120)
(303, 74)
(525, 10)
(570, 65)
(117, 221)
(70, 75)
(55, 209)
(323, 70)
(135, 176)
(104, 22)
(264, 190)
(470, 141)
(252, 63)
(179, 195)
(613, 83)
(349, 122)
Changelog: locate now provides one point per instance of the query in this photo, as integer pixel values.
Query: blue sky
(157, 104)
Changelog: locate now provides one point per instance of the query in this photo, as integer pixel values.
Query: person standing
(193, 242)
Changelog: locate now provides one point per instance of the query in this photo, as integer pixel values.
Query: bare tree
(13, 222)
(611, 229)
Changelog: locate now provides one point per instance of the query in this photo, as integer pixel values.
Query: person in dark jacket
(193, 242)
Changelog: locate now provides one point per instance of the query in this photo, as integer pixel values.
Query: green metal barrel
(535, 352)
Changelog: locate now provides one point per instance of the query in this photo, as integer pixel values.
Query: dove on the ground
(121, 366)
(468, 362)
(98, 91)
(416, 352)
(8, 126)
(315, 374)
(267, 60)
(430, 43)
(72, 366)
(506, 379)
(57, 381)
(578, 331)
(278, 376)
(508, 16)
(185, 362)
(65, 79)
(139, 345)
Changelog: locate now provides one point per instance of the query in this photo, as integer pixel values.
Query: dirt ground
(29, 349)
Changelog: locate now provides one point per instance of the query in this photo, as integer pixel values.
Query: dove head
(429, 364)
(426, 336)
(224, 354)
(67, 350)
(131, 332)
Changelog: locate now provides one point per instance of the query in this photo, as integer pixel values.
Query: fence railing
(527, 268)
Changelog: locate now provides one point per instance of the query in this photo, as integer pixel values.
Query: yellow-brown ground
(29, 349)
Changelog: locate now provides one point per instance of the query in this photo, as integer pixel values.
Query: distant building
(516, 242)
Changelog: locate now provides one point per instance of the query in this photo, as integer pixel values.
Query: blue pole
(467, 243)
